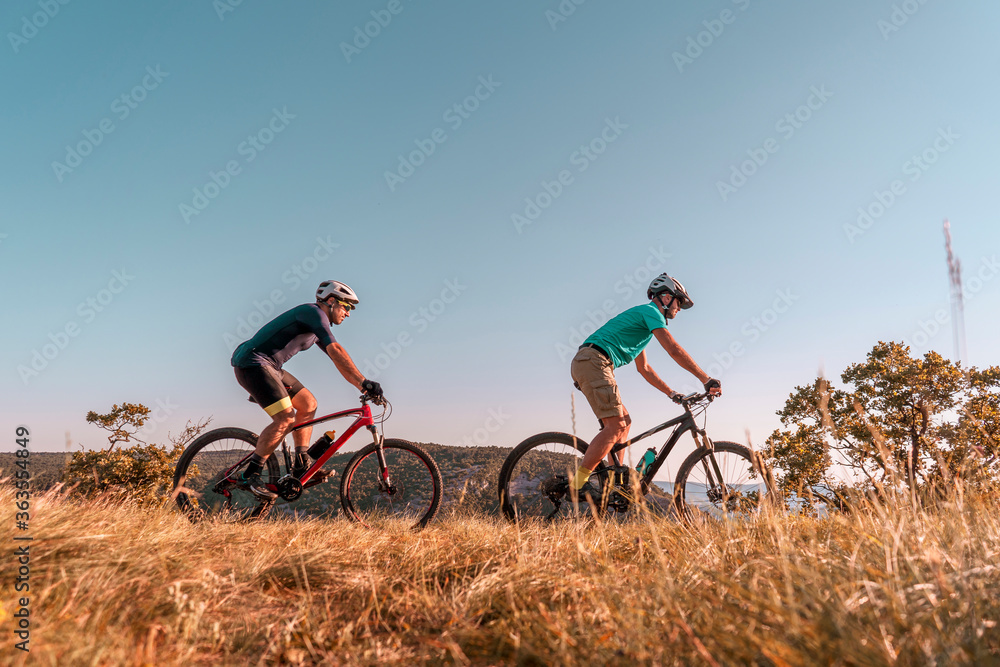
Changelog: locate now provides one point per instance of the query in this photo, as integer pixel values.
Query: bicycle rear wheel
(724, 482)
(406, 492)
(204, 480)
(534, 479)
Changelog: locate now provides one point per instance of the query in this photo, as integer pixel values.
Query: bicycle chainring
(619, 495)
(617, 502)
(289, 487)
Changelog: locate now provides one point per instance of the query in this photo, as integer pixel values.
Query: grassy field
(112, 584)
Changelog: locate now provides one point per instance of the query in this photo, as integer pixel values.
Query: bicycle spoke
(721, 484)
(534, 484)
(205, 477)
(406, 491)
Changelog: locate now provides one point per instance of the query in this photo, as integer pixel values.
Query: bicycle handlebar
(697, 397)
(377, 400)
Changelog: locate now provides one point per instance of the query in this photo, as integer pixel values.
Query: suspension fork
(705, 443)
(380, 455)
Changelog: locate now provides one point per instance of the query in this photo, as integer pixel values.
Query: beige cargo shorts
(594, 374)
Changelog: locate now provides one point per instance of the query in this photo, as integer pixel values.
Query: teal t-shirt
(625, 335)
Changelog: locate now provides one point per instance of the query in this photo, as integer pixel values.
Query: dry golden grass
(114, 584)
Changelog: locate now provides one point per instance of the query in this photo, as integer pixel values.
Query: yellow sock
(582, 475)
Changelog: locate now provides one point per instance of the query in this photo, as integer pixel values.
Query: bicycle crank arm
(320, 477)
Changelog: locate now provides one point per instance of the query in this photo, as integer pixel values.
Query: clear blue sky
(330, 121)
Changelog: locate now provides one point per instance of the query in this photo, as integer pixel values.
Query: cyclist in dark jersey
(258, 366)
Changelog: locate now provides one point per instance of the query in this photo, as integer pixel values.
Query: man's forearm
(346, 366)
(685, 361)
(652, 378)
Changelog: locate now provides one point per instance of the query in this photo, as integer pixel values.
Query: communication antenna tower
(957, 306)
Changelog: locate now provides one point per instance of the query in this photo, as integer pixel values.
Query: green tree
(123, 422)
(900, 421)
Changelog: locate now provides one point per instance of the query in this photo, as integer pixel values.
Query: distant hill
(469, 474)
(46, 468)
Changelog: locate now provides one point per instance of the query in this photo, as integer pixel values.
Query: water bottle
(647, 460)
(322, 444)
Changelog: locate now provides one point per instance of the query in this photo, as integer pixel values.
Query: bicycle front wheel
(724, 482)
(204, 480)
(406, 490)
(534, 480)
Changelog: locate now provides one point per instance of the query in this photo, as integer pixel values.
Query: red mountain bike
(386, 480)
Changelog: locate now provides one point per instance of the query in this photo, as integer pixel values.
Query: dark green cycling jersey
(284, 336)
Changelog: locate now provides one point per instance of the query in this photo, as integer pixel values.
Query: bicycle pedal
(319, 478)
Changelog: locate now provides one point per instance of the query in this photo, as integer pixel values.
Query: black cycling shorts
(268, 387)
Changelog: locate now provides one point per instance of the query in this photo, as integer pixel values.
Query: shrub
(142, 473)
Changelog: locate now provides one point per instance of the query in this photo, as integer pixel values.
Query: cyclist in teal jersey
(258, 366)
(620, 341)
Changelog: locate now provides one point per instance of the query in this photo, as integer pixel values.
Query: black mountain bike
(718, 479)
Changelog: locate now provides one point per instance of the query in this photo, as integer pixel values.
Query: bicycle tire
(200, 466)
(747, 487)
(543, 459)
(413, 498)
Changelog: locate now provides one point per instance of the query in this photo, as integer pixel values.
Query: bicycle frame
(363, 419)
(684, 423)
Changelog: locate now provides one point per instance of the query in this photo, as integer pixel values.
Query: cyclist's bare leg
(272, 434)
(615, 430)
(304, 404)
(621, 438)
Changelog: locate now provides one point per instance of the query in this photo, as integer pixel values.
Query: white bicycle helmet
(664, 283)
(337, 289)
